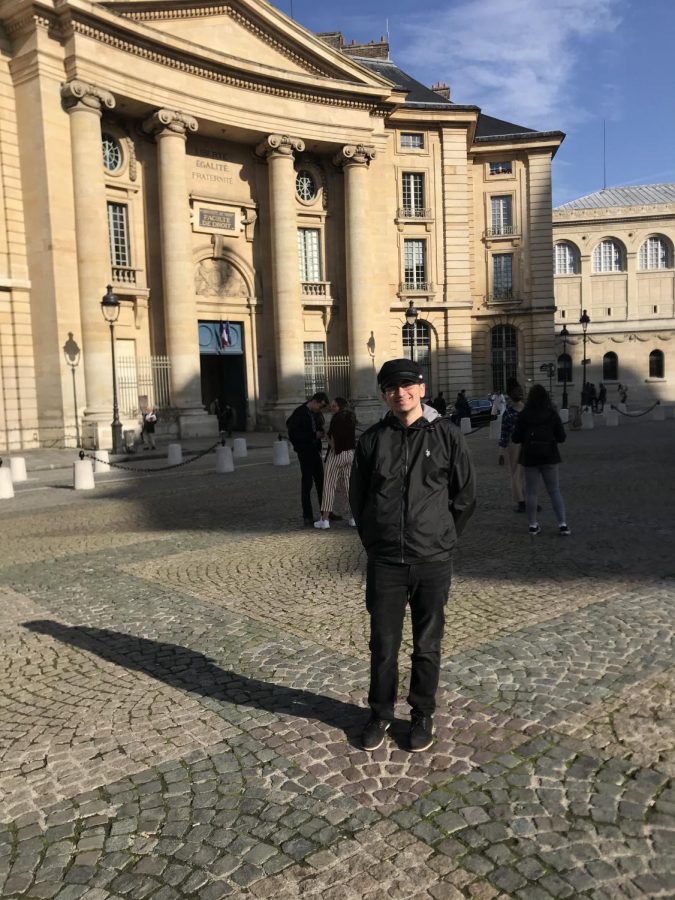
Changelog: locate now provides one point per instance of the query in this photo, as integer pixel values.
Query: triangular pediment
(249, 30)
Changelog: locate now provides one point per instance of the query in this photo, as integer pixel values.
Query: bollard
(6, 486)
(658, 415)
(102, 462)
(564, 415)
(174, 454)
(239, 449)
(621, 407)
(611, 418)
(465, 425)
(496, 428)
(586, 420)
(280, 455)
(83, 475)
(17, 466)
(224, 461)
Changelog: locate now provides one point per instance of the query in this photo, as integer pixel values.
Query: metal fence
(330, 374)
(137, 379)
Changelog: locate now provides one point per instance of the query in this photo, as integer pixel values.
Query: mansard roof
(632, 195)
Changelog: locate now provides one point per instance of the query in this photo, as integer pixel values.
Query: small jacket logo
(427, 453)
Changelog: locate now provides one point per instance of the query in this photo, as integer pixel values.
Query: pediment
(249, 30)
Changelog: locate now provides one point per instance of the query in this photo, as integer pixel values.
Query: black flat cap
(399, 371)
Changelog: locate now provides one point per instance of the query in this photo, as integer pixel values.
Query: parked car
(481, 408)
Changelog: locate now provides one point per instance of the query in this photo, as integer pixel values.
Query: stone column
(170, 128)
(288, 321)
(84, 102)
(355, 160)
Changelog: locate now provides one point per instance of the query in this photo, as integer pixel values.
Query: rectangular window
(502, 215)
(415, 264)
(609, 311)
(315, 367)
(412, 141)
(309, 257)
(562, 314)
(501, 168)
(118, 232)
(502, 276)
(413, 194)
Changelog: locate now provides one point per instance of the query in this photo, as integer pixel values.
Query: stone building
(267, 205)
(613, 257)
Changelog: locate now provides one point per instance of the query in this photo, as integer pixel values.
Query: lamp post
(411, 315)
(564, 334)
(549, 368)
(584, 322)
(110, 307)
(72, 354)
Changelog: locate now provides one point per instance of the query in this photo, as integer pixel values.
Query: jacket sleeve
(359, 481)
(297, 425)
(462, 486)
(507, 427)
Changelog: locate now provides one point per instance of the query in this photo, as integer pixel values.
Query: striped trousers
(336, 473)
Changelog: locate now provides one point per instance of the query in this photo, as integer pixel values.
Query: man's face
(403, 399)
(317, 406)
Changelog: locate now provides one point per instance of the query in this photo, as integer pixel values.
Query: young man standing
(412, 490)
(305, 430)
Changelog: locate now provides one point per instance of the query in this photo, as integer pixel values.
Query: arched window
(608, 256)
(564, 368)
(610, 367)
(417, 346)
(655, 253)
(504, 355)
(566, 259)
(656, 366)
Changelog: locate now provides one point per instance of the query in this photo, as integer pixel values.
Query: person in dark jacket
(412, 490)
(341, 443)
(538, 430)
(439, 404)
(305, 431)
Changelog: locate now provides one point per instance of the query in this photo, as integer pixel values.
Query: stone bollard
(465, 425)
(564, 415)
(621, 407)
(83, 475)
(658, 415)
(224, 461)
(17, 466)
(6, 486)
(174, 454)
(495, 428)
(102, 462)
(239, 449)
(611, 418)
(586, 420)
(280, 456)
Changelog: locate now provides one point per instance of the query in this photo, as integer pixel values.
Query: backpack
(539, 443)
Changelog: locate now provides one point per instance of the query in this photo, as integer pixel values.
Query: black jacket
(412, 489)
(302, 425)
(539, 433)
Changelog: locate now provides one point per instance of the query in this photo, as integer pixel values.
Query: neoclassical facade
(267, 205)
(613, 257)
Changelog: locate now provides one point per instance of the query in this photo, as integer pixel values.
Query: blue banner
(221, 337)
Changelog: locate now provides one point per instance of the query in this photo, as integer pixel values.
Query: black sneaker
(421, 733)
(534, 529)
(373, 733)
(565, 530)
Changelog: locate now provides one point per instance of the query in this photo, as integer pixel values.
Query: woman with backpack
(539, 430)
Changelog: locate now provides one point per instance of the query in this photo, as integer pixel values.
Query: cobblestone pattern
(181, 703)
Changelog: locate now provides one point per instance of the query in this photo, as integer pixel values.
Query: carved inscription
(217, 218)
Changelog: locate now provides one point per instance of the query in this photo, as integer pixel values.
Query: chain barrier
(635, 415)
(128, 468)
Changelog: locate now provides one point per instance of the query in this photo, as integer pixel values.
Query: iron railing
(330, 374)
(417, 287)
(506, 295)
(414, 212)
(501, 231)
(138, 380)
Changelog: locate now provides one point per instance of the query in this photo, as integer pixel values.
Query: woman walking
(341, 442)
(539, 431)
(514, 406)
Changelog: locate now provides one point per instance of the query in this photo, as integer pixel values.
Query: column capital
(172, 121)
(78, 94)
(279, 145)
(354, 155)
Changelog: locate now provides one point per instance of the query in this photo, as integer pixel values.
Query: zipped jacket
(539, 433)
(412, 489)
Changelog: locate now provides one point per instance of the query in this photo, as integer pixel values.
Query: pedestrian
(498, 404)
(514, 405)
(623, 393)
(341, 444)
(462, 408)
(602, 396)
(539, 431)
(148, 429)
(592, 397)
(305, 432)
(412, 490)
(439, 404)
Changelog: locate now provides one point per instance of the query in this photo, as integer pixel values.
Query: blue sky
(546, 64)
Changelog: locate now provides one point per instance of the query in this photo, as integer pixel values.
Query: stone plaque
(219, 219)
(210, 218)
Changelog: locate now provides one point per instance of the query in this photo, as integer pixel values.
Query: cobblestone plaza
(184, 672)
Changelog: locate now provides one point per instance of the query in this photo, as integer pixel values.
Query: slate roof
(636, 195)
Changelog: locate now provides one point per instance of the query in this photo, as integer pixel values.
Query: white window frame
(565, 258)
(309, 254)
(654, 254)
(407, 143)
(501, 214)
(118, 234)
(502, 275)
(415, 273)
(607, 257)
(413, 194)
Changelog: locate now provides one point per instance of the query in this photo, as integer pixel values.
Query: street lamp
(549, 368)
(584, 321)
(564, 334)
(411, 315)
(110, 307)
(72, 354)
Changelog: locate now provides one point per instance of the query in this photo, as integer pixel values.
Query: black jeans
(311, 469)
(390, 587)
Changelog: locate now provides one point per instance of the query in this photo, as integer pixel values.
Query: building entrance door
(223, 369)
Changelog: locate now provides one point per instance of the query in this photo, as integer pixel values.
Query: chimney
(442, 89)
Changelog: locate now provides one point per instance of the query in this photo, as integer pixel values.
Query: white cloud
(516, 59)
